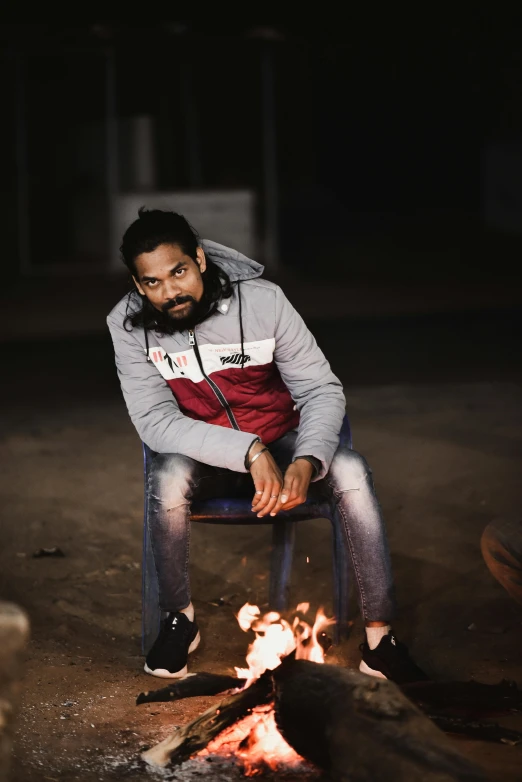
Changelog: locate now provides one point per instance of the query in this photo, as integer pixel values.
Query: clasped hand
(273, 492)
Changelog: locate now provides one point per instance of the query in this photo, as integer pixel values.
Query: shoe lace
(173, 630)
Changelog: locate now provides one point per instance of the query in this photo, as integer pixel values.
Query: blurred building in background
(375, 149)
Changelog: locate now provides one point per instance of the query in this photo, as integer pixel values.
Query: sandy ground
(443, 437)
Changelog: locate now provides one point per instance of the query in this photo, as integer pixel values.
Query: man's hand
(267, 480)
(295, 487)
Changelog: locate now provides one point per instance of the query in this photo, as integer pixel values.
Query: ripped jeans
(175, 480)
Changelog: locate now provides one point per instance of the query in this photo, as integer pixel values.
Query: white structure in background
(502, 186)
(225, 216)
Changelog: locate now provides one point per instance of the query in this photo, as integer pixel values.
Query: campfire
(288, 711)
(255, 740)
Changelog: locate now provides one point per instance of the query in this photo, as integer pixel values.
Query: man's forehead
(161, 260)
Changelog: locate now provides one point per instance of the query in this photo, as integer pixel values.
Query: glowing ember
(256, 743)
(255, 740)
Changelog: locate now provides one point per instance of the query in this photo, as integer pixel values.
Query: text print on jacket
(201, 403)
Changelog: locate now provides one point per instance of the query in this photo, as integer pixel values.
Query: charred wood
(191, 687)
(196, 735)
(482, 731)
(359, 728)
(470, 698)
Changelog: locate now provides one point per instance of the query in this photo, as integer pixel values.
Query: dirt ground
(442, 433)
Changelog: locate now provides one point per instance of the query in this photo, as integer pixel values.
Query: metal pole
(22, 168)
(270, 158)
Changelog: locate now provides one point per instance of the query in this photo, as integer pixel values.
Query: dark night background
(383, 154)
(382, 130)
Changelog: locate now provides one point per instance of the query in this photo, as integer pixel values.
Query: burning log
(196, 735)
(352, 726)
(359, 728)
(349, 724)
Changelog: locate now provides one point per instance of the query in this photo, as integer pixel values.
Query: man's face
(171, 281)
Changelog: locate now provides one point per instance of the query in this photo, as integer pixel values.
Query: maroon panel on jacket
(258, 398)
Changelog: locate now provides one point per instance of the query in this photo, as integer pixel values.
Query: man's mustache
(175, 302)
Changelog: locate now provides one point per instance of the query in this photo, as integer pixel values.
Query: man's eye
(180, 272)
(151, 283)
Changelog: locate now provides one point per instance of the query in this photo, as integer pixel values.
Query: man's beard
(169, 322)
(216, 286)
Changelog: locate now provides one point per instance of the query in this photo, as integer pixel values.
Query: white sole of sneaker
(370, 672)
(162, 673)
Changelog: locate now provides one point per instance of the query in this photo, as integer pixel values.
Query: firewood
(481, 731)
(192, 686)
(471, 698)
(353, 726)
(196, 735)
(358, 728)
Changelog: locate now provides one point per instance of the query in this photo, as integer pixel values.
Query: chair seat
(233, 511)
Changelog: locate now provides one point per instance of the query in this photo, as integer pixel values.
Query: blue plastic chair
(237, 511)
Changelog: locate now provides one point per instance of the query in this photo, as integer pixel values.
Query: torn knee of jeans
(357, 483)
(179, 505)
(345, 491)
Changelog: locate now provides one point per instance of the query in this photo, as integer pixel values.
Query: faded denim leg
(174, 482)
(350, 487)
(172, 478)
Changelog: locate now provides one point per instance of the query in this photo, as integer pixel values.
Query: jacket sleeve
(158, 420)
(317, 392)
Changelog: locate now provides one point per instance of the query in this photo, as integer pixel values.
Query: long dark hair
(153, 228)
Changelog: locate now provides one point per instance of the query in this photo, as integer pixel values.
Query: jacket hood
(234, 263)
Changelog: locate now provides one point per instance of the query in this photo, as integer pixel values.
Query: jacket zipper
(213, 386)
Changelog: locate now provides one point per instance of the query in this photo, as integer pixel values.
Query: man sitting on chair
(222, 378)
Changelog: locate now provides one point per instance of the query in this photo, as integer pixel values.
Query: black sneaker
(168, 656)
(390, 660)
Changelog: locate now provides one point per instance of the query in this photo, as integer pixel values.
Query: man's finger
(288, 489)
(265, 497)
(272, 499)
(294, 502)
(286, 494)
(260, 485)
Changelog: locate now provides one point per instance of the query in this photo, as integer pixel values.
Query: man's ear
(138, 286)
(201, 260)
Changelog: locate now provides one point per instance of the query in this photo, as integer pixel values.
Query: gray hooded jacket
(251, 369)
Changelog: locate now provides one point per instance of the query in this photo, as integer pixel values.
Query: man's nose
(171, 289)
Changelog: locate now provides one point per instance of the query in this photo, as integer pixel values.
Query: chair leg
(341, 580)
(283, 536)
(150, 611)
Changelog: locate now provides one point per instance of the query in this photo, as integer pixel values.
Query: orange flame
(276, 638)
(255, 740)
